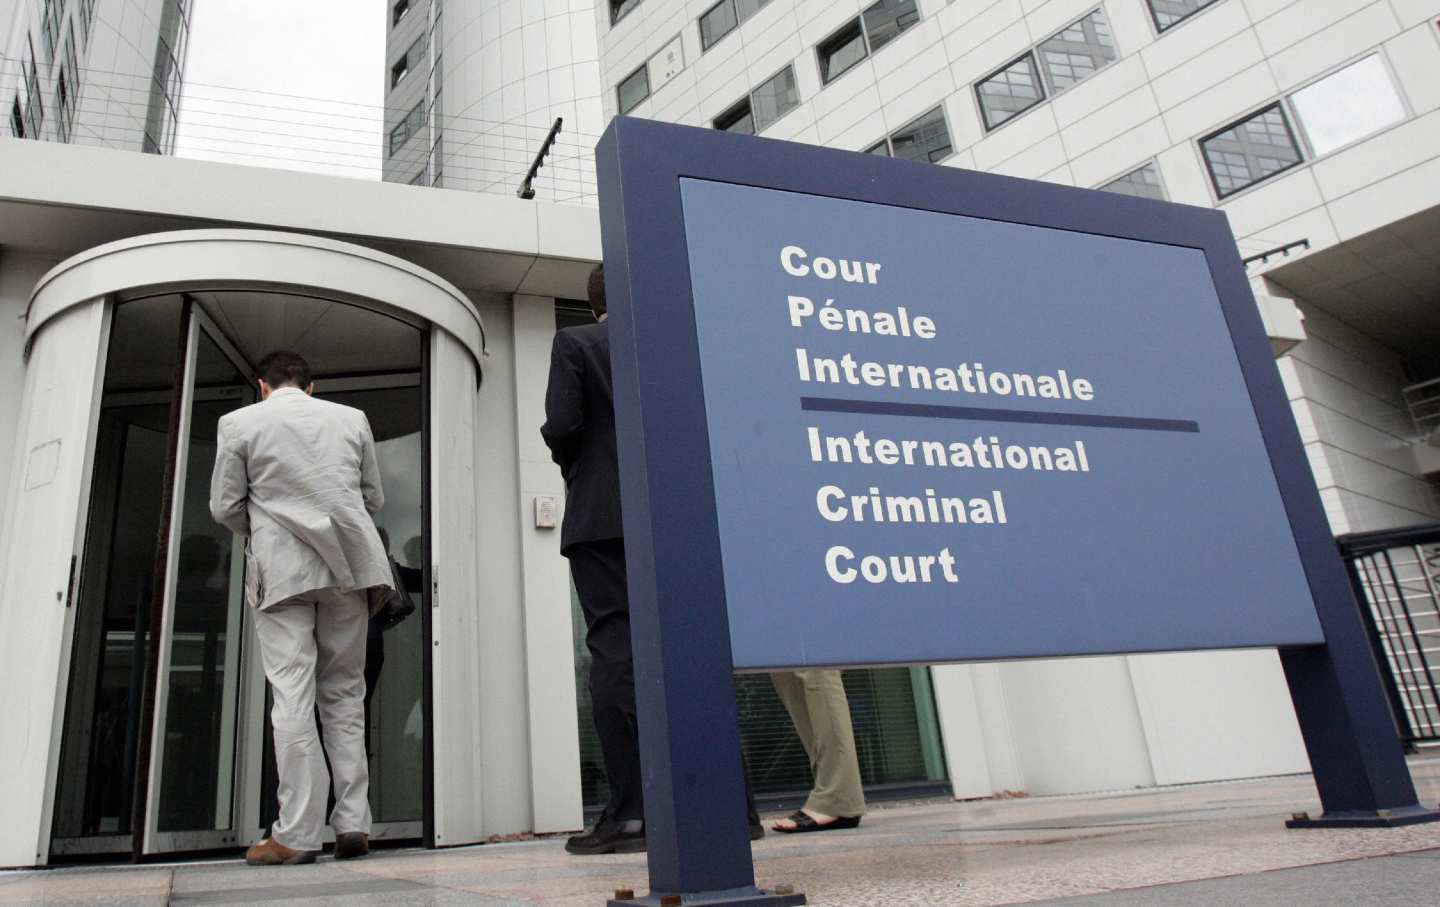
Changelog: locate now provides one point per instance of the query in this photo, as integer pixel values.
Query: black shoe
(608, 836)
(757, 828)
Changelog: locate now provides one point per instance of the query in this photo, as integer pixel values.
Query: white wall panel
(549, 641)
(1075, 725)
(1191, 702)
(1320, 52)
(43, 523)
(1300, 20)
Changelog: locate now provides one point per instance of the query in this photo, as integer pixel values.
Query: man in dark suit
(579, 429)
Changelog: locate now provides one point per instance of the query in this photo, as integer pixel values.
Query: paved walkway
(1213, 844)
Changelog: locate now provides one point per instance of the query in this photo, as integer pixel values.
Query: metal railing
(1423, 403)
(1396, 575)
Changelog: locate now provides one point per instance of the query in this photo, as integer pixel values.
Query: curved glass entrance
(164, 744)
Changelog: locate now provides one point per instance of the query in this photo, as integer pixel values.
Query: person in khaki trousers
(297, 478)
(821, 714)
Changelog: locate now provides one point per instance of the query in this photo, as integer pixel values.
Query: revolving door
(163, 747)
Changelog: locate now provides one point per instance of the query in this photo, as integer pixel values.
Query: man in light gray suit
(297, 477)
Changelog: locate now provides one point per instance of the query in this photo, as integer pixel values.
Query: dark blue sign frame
(694, 787)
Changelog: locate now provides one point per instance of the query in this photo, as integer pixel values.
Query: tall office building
(1314, 125)
(95, 72)
(472, 89)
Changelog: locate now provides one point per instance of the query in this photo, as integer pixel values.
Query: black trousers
(599, 572)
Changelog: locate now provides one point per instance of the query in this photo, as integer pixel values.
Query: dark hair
(596, 288)
(283, 368)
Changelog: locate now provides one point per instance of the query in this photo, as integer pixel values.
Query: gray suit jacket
(298, 477)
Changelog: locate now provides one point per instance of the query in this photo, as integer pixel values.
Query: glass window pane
(775, 98)
(737, 119)
(744, 9)
(841, 51)
(618, 9)
(887, 19)
(1012, 90)
(1143, 182)
(716, 23)
(881, 147)
(1251, 151)
(927, 139)
(1172, 12)
(1078, 51)
(1341, 108)
(634, 89)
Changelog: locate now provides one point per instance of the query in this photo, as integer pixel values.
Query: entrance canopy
(245, 278)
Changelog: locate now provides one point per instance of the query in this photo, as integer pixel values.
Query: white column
(40, 542)
(549, 640)
(458, 622)
(18, 275)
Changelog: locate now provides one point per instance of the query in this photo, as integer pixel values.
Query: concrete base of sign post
(740, 897)
(1380, 818)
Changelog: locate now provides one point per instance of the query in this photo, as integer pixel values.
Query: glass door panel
(94, 798)
(196, 748)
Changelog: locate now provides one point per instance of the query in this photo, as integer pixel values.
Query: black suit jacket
(579, 429)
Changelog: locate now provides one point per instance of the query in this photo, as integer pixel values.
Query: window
(887, 19)
(925, 139)
(87, 19)
(1348, 105)
(737, 119)
(67, 86)
(723, 18)
(402, 9)
(775, 97)
(1078, 51)
(412, 60)
(50, 27)
(418, 179)
(633, 89)
(841, 51)
(407, 127)
(17, 119)
(1012, 90)
(1251, 150)
(877, 26)
(1169, 13)
(619, 9)
(1143, 182)
(34, 107)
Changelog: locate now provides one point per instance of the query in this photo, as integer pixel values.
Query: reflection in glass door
(94, 798)
(195, 749)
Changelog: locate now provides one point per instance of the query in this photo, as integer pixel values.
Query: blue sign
(937, 437)
(873, 411)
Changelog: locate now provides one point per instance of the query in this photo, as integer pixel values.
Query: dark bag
(397, 604)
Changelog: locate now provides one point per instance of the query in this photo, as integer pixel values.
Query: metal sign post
(883, 412)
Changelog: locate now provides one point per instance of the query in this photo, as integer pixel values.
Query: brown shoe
(351, 844)
(269, 852)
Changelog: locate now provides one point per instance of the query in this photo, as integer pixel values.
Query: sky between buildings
(298, 86)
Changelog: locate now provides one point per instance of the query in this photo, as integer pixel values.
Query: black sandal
(804, 823)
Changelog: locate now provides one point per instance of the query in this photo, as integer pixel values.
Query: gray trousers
(313, 647)
(821, 713)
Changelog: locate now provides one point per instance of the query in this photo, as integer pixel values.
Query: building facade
(1313, 125)
(95, 72)
(473, 89)
(134, 706)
